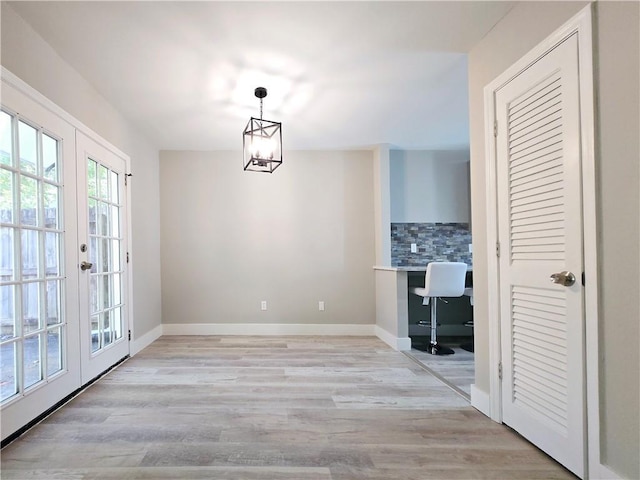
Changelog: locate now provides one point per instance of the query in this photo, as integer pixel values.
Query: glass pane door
(63, 311)
(32, 315)
(105, 251)
(102, 258)
(39, 329)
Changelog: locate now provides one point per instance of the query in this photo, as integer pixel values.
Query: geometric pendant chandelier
(262, 142)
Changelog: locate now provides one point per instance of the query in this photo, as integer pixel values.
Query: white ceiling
(339, 74)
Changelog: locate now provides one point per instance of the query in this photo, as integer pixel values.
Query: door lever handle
(565, 278)
(85, 266)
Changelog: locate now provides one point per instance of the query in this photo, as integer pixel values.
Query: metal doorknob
(85, 265)
(564, 278)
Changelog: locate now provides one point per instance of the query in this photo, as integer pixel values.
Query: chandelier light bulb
(263, 147)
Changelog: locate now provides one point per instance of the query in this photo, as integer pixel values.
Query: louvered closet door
(540, 233)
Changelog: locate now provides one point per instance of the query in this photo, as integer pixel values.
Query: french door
(102, 250)
(62, 202)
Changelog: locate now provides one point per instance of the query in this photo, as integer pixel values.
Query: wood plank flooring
(457, 370)
(292, 408)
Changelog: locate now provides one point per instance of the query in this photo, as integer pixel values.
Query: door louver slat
(552, 386)
(550, 132)
(534, 401)
(523, 235)
(549, 167)
(524, 242)
(546, 115)
(545, 105)
(536, 213)
(546, 200)
(539, 317)
(553, 362)
(532, 350)
(535, 93)
(536, 173)
(547, 222)
(537, 324)
(539, 333)
(539, 385)
(532, 228)
(526, 193)
(547, 147)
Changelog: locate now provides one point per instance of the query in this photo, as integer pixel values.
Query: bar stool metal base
(437, 349)
(434, 347)
(468, 346)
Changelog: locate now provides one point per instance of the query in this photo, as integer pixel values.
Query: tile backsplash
(447, 242)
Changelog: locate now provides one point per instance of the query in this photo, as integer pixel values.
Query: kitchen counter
(409, 268)
(393, 302)
(402, 268)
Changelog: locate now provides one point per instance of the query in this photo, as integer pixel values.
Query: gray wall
(429, 186)
(28, 56)
(618, 156)
(617, 118)
(231, 239)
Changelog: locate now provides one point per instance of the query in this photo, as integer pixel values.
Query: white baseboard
(268, 329)
(480, 400)
(606, 473)
(145, 340)
(400, 344)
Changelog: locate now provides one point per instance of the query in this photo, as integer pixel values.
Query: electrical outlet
(471, 248)
(321, 306)
(263, 305)
(414, 248)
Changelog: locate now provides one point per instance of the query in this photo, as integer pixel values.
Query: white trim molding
(581, 26)
(267, 329)
(605, 473)
(139, 344)
(480, 400)
(401, 344)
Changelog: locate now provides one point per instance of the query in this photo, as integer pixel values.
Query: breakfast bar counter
(394, 309)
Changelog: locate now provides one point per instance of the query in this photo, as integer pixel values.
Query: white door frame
(580, 25)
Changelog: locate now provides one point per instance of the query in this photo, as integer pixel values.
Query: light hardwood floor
(293, 408)
(457, 370)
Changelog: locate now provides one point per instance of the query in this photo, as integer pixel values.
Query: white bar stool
(442, 279)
